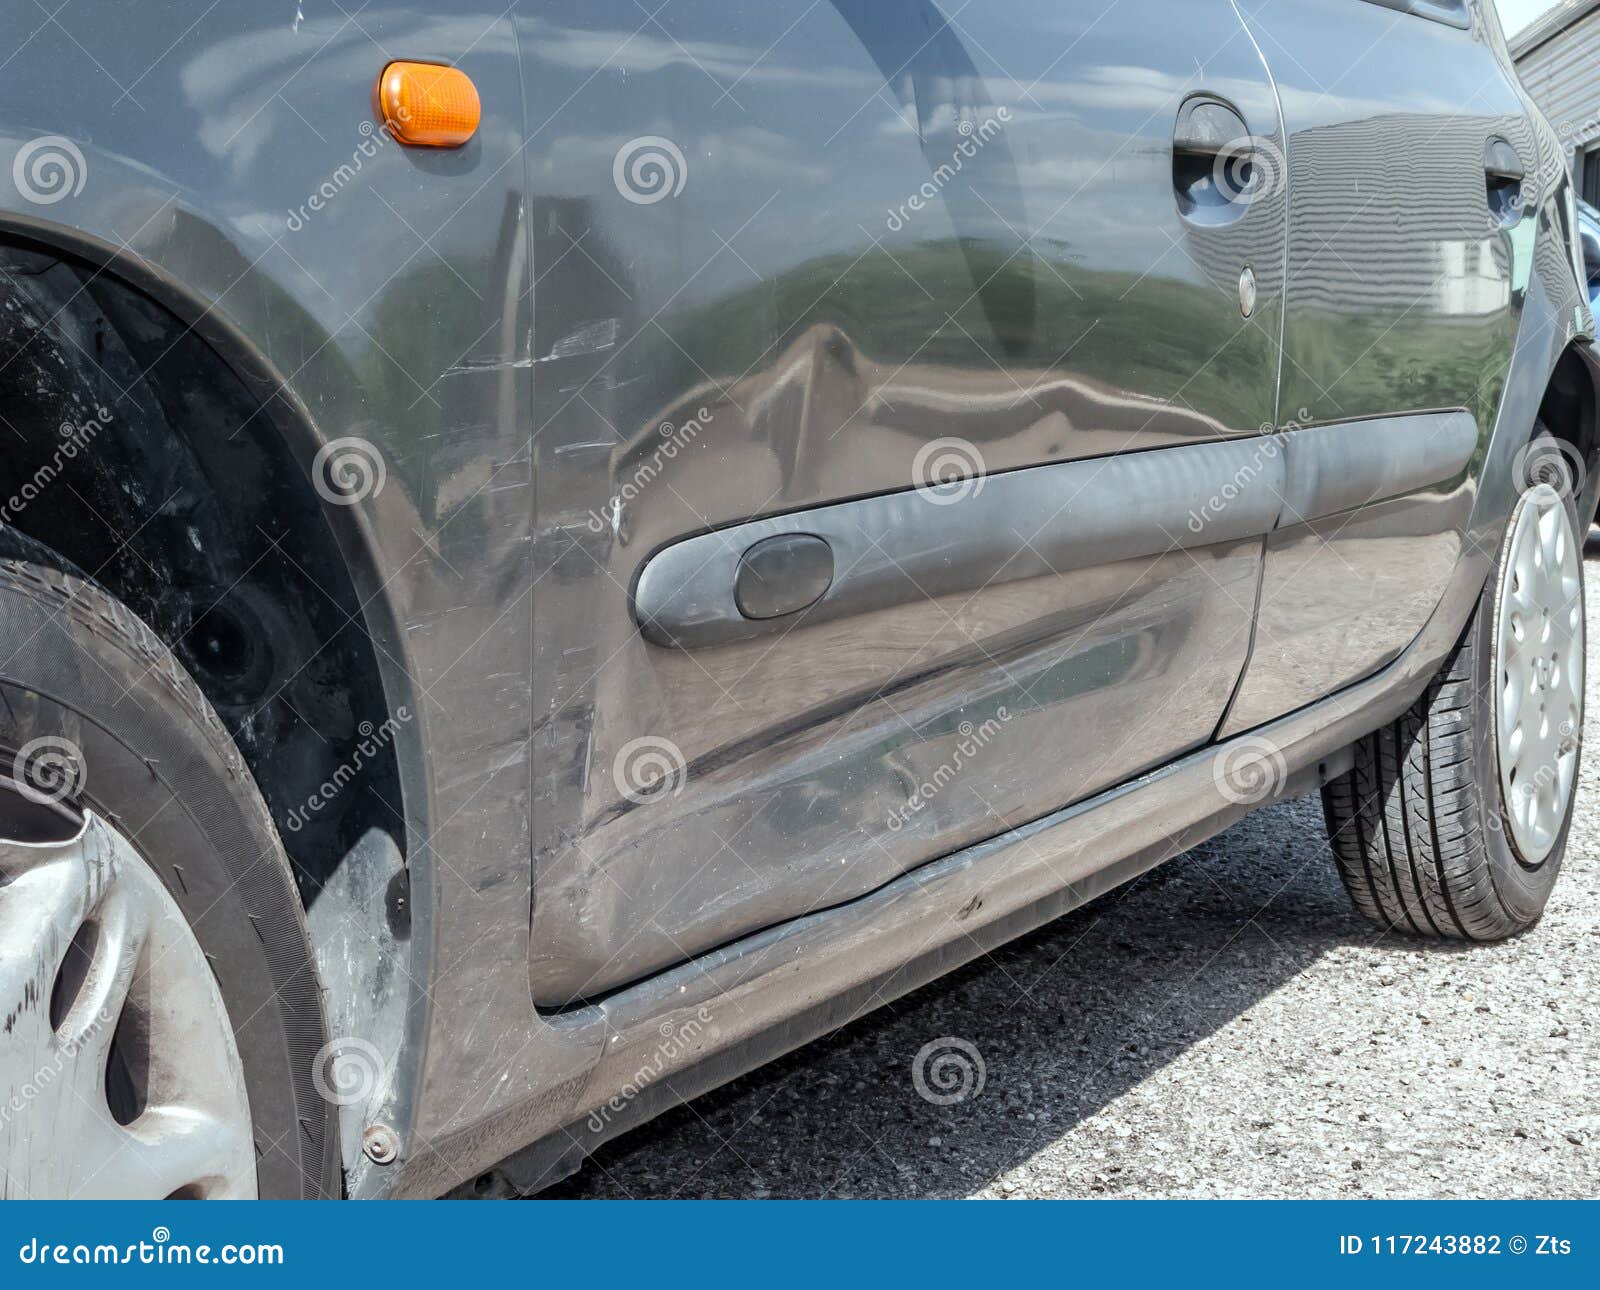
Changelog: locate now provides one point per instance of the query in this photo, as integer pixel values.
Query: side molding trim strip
(975, 532)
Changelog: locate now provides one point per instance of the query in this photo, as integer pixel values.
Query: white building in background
(1558, 58)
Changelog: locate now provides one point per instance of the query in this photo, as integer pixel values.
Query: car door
(1408, 254)
(894, 394)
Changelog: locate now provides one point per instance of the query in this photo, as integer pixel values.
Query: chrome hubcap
(119, 1075)
(1539, 671)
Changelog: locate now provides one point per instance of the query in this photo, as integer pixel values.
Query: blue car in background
(1589, 237)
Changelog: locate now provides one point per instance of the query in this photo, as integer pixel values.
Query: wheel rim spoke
(121, 923)
(167, 1149)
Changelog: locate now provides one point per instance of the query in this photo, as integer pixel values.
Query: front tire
(152, 933)
(1454, 820)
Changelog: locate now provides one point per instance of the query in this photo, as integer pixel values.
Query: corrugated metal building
(1558, 57)
(1389, 207)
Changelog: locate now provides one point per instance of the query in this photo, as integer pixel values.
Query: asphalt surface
(1225, 1026)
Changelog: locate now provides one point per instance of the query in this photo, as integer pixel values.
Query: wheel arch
(193, 502)
(1569, 411)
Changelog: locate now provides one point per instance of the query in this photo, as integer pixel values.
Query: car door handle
(1503, 178)
(1213, 161)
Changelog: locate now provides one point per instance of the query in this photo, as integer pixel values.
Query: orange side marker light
(427, 106)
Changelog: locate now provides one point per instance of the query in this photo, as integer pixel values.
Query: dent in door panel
(1041, 707)
(824, 297)
(1025, 694)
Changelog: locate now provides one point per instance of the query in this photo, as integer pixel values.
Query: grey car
(554, 553)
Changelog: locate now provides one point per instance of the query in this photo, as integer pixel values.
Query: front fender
(229, 166)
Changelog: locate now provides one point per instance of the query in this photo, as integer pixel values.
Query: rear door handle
(1503, 179)
(1213, 161)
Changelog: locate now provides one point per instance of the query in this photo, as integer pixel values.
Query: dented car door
(891, 369)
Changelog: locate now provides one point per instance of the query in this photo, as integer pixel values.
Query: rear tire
(1421, 828)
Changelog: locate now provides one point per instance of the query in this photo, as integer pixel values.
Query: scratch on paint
(591, 338)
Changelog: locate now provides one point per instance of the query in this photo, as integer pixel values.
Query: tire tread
(1428, 870)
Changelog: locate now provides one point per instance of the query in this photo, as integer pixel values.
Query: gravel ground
(1225, 1026)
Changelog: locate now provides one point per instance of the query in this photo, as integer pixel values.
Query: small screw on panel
(381, 1143)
